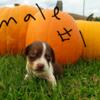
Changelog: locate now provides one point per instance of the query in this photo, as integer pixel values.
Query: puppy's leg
(27, 76)
(52, 80)
(50, 75)
(58, 70)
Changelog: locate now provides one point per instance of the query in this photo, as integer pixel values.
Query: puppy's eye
(48, 57)
(32, 57)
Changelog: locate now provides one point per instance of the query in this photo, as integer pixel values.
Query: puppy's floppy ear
(53, 55)
(50, 49)
(26, 51)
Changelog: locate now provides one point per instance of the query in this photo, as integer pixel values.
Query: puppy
(41, 62)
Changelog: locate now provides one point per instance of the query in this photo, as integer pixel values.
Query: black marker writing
(56, 11)
(7, 22)
(66, 33)
(82, 38)
(28, 16)
(40, 11)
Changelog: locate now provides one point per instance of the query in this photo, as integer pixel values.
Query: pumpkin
(91, 34)
(61, 33)
(13, 28)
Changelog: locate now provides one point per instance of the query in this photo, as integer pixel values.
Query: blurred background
(79, 9)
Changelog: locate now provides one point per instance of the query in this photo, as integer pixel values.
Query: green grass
(80, 81)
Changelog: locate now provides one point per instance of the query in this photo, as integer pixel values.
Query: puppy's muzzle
(40, 67)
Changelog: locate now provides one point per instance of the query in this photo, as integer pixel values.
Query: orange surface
(91, 34)
(68, 51)
(12, 37)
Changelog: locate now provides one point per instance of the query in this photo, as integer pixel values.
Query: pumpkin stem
(60, 5)
(16, 4)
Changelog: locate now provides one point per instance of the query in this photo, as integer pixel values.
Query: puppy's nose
(40, 67)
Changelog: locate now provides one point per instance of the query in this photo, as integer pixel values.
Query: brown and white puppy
(41, 62)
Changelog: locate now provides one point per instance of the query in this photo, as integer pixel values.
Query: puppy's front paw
(52, 80)
(27, 77)
(54, 83)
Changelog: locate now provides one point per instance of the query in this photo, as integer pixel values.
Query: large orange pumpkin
(50, 29)
(13, 28)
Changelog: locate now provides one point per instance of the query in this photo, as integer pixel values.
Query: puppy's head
(40, 57)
